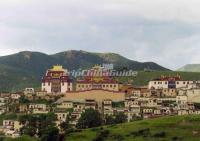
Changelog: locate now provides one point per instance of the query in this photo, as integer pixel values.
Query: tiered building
(56, 80)
(97, 79)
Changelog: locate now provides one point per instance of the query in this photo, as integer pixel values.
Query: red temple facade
(56, 80)
(96, 81)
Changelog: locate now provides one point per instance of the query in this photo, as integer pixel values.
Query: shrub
(176, 138)
(142, 132)
(118, 137)
(120, 118)
(101, 135)
(160, 135)
(95, 129)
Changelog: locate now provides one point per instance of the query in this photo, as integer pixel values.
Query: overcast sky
(164, 31)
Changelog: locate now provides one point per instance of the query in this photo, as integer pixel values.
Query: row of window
(169, 90)
(52, 90)
(177, 82)
(147, 110)
(89, 86)
(50, 83)
(67, 104)
(59, 116)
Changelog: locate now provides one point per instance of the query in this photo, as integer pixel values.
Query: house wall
(164, 84)
(98, 95)
(65, 105)
(64, 87)
(158, 84)
(46, 87)
(88, 86)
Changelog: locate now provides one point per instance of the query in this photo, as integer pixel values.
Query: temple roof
(57, 68)
(168, 78)
(57, 72)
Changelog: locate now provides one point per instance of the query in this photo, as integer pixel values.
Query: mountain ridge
(32, 65)
(190, 68)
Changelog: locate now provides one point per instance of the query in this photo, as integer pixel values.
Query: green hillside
(25, 69)
(190, 68)
(144, 77)
(13, 79)
(174, 128)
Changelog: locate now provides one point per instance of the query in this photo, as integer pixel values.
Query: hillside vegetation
(25, 69)
(174, 128)
(143, 78)
(190, 68)
(171, 128)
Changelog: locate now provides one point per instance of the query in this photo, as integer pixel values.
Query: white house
(168, 83)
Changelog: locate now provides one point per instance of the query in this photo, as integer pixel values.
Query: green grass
(176, 128)
(23, 138)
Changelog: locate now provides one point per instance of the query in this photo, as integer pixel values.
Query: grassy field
(176, 128)
(23, 138)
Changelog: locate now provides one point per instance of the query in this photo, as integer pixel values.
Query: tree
(50, 134)
(109, 120)
(37, 125)
(120, 118)
(90, 118)
(66, 127)
(23, 100)
(28, 130)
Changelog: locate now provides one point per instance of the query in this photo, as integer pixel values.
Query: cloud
(164, 31)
